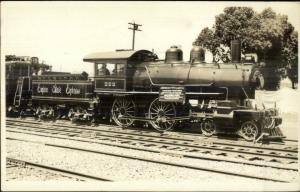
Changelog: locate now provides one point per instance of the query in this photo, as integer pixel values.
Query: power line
(134, 27)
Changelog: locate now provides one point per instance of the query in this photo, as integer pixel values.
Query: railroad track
(187, 136)
(12, 163)
(268, 157)
(206, 140)
(167, 162)
(185, 132)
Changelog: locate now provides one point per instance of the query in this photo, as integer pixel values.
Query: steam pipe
(226, 88)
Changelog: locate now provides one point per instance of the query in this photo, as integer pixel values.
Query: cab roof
(115, 55)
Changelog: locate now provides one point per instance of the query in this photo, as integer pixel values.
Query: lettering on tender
(56, 89)
(42, 90)
(72, 91)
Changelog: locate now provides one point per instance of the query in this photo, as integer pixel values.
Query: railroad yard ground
(125, 160)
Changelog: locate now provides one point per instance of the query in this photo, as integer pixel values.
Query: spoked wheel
(249, 131)
(208, 127)
(71, 114)
(123, 107)
(161, 112)
(37, 113)
(12, 112)
(51, 114)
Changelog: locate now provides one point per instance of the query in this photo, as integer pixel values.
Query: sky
(62, 33)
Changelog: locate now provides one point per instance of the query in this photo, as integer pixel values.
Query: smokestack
(235, 51)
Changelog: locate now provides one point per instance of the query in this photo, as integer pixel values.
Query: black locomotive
(135, 86)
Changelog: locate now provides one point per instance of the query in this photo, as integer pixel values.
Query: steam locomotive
(131, 86)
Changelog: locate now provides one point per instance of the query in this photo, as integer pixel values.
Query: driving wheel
(123, 107)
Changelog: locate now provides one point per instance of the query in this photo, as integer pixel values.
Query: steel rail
(182, 154)
(285, 149)
(131, 130)
(55, 169)
(164, 162)
(185, 144)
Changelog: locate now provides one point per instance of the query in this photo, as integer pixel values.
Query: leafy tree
(272, 34)
(290, 53)
(208, 39)
(268, 34)
(234, 23)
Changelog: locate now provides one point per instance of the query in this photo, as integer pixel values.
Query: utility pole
(135, 27)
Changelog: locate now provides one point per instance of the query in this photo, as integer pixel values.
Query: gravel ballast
(121, 169)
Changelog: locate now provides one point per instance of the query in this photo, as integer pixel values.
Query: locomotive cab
(113, 71)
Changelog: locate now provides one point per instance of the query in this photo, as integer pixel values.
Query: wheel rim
(162, 112)
(123, 107)
(208, 128)
(71, 113)
(249, 131)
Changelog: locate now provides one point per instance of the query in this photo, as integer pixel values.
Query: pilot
(103, 70)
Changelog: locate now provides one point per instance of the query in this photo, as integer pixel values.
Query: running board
(149, 119)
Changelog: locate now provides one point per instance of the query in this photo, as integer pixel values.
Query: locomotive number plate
(110, 84)
(172, 94)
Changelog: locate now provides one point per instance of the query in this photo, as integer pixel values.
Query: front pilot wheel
(208, 127)
(249, 131)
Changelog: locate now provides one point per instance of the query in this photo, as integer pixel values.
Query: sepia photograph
(149, 96)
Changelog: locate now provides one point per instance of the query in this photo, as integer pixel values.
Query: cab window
(119, 70)
(110, 69)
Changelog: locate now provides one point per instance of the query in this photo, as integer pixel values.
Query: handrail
(226, 91)
(245, 92)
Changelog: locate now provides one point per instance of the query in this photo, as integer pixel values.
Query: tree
(268, 34)
(234, 23)
(208, 39)
(265, 33)
(272, 34)
(290, 52)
